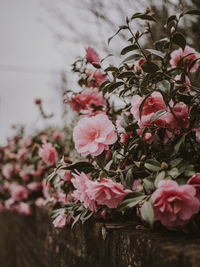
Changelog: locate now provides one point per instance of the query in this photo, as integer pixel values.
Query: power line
(28, 69)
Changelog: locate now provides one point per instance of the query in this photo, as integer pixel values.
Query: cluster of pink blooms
(25, 163)
(97, 193)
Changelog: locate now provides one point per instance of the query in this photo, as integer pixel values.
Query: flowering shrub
(139, 159)
(25, 163)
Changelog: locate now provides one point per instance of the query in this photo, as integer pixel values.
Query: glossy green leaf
(157, 115)
(129, 48)
(179, 40)
(149, 67)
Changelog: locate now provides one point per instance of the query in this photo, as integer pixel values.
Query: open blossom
(93, 135)
(174, 205)
(92, 56)
(24, 208)
(85, 101)
(168, 121)
(48, 153)
(97, 77)
(107, 192)
(189, 54)
(7, 170)
(81, 182)
(18, 192)
(39, 201)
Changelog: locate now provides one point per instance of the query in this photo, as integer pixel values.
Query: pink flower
(18, 192)
(152, 104)
(24, 175)
(9, 204)
(96, 78)
(174, 205)
(67, 176)
(187, 60)
(187, 81)
(60, 221)
(86, 101)
(136, 184)
(34, 186)
(57, 135)
(124, 137)
(21, 153)
(48, 153)
(195, 182)
(62, 197)
(94, 135)
(24, 208)
(7, 170)
(92, 56)
(106, 192)
(39, 201)
(81, 182)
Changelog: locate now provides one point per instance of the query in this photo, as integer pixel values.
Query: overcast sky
(27, 54)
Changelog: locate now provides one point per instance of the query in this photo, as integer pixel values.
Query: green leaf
(159, 177)
(193, 12)
(179, 40)
(143, 17)
(126, 74)
(102, 85)
(152, 165)
(101, 159)
(82, 166)
(156, 53)
(132, 58)
(175, 162)
(178, 144)
(123, 27)
(173, 172)
(157, 115)
(149, 67)
(173, 17)
(131, 202)
(51, 177)
(142, 104)
(128, 49)
(147, 213)
(129, 178)
(164, 86)
(111, 68)
(113, 86)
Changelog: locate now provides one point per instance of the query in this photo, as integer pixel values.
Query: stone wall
(34, 242)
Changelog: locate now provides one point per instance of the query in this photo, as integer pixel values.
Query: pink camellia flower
(60, 221)
(106, 192)
(18, 192)
(21, 153)
(39, 201)
(92, 56)
(48, 153)
(195, 182)
(62, 197)
(34, 186)
(96, 78)
(67, 176)
(9, 204)
(7, 170)
(24, 208)
(187, 81)
(57, 135)
(136, 184)
(80, 182)
(152, 104)
(174, 205)
(86, 101)
(189, 54)
(94, 135)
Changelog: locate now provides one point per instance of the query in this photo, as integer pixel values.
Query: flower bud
(173, 29)
(164, 165)
(148, 9)
(38, 101)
